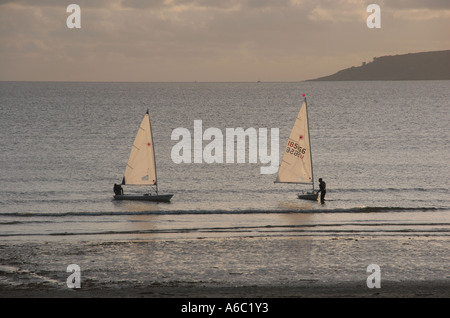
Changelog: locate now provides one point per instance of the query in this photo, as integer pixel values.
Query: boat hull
(312, 196)
(144, 197)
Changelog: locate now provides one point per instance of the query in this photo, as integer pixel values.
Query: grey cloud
(62, 3)
(150, 35)
(226, 4)
(418, 4)
(143, 4)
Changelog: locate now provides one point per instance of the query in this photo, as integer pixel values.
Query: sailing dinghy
(141, 167)
(296, 164)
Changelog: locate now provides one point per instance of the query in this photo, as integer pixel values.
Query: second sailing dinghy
(296, 164)
(141, 166)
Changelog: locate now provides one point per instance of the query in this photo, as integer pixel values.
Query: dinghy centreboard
(141, 166)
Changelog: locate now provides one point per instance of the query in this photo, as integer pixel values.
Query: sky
(209, 40)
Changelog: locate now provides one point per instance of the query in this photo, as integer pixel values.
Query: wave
(362, 209)
(269, 231)
(400, 189)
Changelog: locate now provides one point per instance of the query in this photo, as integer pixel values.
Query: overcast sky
(210, 40)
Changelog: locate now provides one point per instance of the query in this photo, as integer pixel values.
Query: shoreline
(228, 268)
(409, 289)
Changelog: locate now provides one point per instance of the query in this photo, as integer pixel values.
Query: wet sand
(229, 268)
(423, 289)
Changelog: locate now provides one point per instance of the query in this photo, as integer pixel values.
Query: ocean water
(382, 148)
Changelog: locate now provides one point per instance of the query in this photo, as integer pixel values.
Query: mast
(309, 140)
(153, 145)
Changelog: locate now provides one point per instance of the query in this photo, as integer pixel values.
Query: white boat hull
(144, 197)
(308, 196)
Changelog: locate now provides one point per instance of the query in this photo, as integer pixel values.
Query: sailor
(323, 190)
(118, 189)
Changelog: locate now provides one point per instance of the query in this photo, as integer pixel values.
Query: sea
(382, 148)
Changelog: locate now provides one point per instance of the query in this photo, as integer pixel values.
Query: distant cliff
(412, 66)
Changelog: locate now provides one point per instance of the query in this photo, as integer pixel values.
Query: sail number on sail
(293, 148)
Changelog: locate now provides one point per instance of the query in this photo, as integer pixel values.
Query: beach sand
(422, 289)
(305, 267)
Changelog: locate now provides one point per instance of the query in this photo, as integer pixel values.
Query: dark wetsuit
(118, 189)
(323, 191)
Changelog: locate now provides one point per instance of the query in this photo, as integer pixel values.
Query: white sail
(141, 168)
(296, 164)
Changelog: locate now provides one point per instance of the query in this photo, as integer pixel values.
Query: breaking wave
(362, 209)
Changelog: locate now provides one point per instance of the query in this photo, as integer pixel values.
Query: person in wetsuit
(323, 190)
(118, 189)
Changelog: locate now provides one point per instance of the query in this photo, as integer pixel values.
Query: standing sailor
(118, 189)
(323, 190)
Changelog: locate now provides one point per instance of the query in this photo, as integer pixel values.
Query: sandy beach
(213, 268)
(423, 289)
